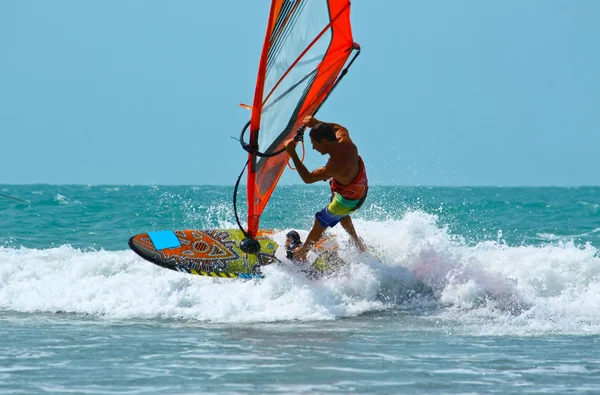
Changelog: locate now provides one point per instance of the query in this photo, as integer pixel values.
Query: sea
(463, 290)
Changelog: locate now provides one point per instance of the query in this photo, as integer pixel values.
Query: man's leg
(313, 236)
(349, 227)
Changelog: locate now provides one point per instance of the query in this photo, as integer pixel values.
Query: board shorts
(338, 208)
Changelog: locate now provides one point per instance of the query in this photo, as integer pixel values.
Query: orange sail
(305, 53)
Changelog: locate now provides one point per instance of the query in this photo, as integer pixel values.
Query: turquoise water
(465, 290)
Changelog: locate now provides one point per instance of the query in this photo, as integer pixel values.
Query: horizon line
(306, 185)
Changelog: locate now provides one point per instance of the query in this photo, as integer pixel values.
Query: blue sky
(502, 93)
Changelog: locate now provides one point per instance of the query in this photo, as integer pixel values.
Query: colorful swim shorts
(338, 208)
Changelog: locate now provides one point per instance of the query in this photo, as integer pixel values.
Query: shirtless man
(348, 180)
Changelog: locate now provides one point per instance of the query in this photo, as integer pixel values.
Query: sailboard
(307, 50)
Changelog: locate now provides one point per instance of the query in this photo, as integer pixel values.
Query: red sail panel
(306, 47)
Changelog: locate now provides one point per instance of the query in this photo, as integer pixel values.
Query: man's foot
(360, 245)
(300, 254)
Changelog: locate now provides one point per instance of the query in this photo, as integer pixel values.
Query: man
(327, 260)
(348, 180)
(292, 241)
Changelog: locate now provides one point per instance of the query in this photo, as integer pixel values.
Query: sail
(306, 47)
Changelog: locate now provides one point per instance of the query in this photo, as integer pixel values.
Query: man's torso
(345, 165)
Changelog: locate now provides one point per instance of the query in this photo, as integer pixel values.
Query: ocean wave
(413, 264)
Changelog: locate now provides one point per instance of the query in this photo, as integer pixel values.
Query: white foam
(61, 199)
(122, 285)
(414, 263)
(566, 238)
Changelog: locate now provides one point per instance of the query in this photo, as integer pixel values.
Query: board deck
(207, 252)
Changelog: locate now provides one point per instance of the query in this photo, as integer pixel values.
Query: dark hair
(323, 131)
(294, 243)
(294, 237)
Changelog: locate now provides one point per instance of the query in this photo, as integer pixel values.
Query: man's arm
(340, 132)
(320, 174)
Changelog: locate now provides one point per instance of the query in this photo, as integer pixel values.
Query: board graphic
(206, 252)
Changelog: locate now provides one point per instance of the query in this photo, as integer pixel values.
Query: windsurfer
(348, 180)
(327, 260)
(292, 241)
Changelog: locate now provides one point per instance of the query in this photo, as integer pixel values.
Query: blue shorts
(338, 208)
